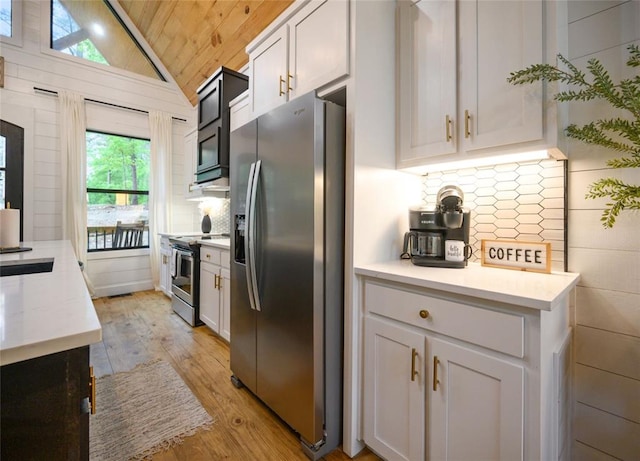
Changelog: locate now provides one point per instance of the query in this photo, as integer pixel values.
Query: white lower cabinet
(394, 391)
(475, 405)
(165, 266)
(215, 287)
(444, 379)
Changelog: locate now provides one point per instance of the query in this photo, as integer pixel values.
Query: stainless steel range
(185, 275)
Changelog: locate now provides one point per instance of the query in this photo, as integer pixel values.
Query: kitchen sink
(26, 266)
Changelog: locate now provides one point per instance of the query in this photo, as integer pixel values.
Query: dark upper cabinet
(213, 123)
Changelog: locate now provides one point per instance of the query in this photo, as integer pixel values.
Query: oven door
(182, 283)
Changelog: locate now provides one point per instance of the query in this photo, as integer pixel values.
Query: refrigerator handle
(249, 236)
(251, 254)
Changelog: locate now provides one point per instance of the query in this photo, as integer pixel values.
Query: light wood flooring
(142, 327)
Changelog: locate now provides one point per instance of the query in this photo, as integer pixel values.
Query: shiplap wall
(32, 64)
(607, 318)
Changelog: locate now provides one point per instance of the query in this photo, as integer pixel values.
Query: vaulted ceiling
(193, 38)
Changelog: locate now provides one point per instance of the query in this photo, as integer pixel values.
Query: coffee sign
(517, 255)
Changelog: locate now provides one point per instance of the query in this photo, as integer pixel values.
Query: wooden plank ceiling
(194, 38)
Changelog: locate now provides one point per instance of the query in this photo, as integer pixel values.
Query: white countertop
(218, 243)
(45, 313)
(527, 289)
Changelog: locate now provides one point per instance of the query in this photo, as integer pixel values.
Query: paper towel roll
(9, 228)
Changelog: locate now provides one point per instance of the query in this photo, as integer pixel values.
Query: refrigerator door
(290, 208)
(243, 317)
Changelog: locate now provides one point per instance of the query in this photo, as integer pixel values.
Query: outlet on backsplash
(519, 201)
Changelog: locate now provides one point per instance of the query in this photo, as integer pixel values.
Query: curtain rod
(44, 90)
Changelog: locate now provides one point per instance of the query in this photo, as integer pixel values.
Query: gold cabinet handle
(435, 372)
(280, 86)
(92, 391)
(164, 259)
(215, 281)
(289, 78)
(414, 354)
(448, 128)
(467, 122)
(207, 256)
(424, 314)
(219, 282)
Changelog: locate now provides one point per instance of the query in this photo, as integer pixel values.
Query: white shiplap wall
(607, 318)
(32, 64)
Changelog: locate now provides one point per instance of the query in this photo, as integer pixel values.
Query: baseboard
(122, 288)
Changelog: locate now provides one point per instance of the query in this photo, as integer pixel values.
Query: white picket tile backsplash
(521, 201)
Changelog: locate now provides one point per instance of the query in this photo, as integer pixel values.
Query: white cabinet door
(477, 408)
(427, 93)
(268, 73)
(225, 303)
(394, 390)
(165, 271)
(318, 45)
(210, 296)
(496, 38)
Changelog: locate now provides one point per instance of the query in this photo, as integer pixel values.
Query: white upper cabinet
(268, 77)
(305, 49)
(454, 58)
(426, 80)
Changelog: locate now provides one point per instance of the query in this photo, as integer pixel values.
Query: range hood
(218, 188)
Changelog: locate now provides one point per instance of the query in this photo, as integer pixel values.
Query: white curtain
(73, 127)
(160, 126)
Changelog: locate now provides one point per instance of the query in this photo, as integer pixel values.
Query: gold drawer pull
(467, 122)
(289, 78)
(435, 372)
(207, 256)
(414, 354)
(424, 314)
(280, 86)
(92, 391)
(447, 128)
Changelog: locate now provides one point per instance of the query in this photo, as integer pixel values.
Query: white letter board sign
(517, 255)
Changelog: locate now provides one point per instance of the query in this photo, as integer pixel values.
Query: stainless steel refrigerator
(287, 211)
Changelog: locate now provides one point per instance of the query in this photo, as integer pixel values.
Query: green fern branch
(619, 134)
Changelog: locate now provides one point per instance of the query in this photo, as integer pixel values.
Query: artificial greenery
(621, 134)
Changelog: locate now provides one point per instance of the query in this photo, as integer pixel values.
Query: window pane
(104, 210)
(5, 18)
(3, 152)
(91, 30)
(117, 162)
(120, 166)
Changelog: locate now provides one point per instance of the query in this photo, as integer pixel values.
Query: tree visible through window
(5, 18)
(117, 187)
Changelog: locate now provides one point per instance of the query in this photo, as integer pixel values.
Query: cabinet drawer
(494, 330)
(210, 255)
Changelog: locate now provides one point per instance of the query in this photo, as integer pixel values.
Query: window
(92, 30)
(10, 21)
(117, 191)
(6, 20)
(11, 168)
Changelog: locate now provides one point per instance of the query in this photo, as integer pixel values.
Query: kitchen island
(47, 322)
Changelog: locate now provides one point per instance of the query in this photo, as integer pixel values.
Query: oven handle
(250, 241)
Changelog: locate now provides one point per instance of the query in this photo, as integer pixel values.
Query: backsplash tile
(219, 210)
(521, 201)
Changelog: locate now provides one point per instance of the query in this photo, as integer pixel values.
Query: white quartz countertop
(45, 313)
(223, 243)
(527, 289)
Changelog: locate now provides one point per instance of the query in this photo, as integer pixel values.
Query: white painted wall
(607, 318)
(30, 64)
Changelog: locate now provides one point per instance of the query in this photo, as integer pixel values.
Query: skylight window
(92, 30)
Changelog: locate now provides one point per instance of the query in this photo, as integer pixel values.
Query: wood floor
(142, 327)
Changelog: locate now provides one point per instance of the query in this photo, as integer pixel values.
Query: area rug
(141, 412)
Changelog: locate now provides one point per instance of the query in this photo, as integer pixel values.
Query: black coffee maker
(440, 237)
